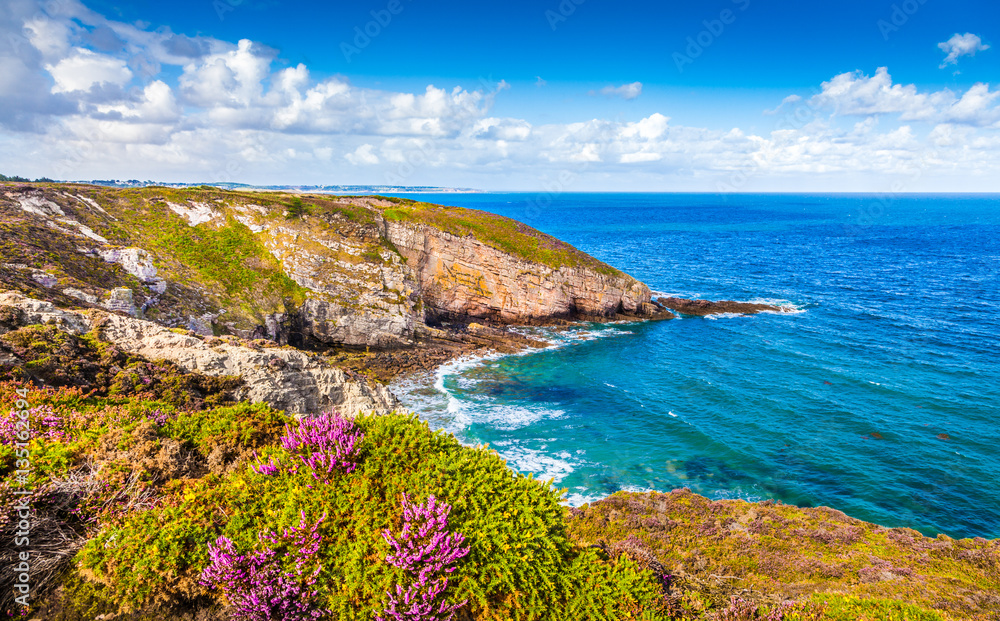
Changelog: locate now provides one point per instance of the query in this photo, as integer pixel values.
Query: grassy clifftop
(496, 231)
(236, 259)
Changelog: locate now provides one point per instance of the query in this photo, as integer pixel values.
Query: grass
(160, 473)
(793, 552)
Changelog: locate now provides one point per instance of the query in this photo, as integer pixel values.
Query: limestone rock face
(121, 300)
(360, 293)
(284, 378)
(461, 276)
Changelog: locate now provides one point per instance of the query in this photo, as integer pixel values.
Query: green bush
(521, 564)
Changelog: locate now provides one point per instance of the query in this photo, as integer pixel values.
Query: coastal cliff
(305, 270)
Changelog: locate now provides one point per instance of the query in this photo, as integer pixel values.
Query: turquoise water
(896, 333)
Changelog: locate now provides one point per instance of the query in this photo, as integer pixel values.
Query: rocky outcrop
(463, 277)
(706, 307)
(334, 271)
(284, 378)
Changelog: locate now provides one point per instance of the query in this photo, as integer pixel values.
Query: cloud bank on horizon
(85, 96)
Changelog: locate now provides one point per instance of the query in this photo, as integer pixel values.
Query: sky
(551, 95)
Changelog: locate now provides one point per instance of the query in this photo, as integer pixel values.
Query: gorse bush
(519, 563)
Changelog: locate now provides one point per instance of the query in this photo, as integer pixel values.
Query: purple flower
(326, 444)
(426, 550)
(270, 469)
(256, 585)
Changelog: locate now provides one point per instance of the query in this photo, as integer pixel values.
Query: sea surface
(879, 395)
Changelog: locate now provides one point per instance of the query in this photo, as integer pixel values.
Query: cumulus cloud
(861, 95)
(106, 98)
(363, 155)
(85, 69)
(625, 91)
(961, 45)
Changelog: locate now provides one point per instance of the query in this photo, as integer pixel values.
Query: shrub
(425, 549)
(260, 586)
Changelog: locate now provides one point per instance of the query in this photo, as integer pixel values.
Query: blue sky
(507, 95)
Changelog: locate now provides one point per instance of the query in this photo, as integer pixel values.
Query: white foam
(544, 467)
(575, 499)
(784, 306)
(717, 316)
(510, 417)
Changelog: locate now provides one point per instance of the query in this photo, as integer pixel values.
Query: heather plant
(117, 476)
(740, 609)
(519, 566)
(425, 550)
(260, 586)
(329, 441)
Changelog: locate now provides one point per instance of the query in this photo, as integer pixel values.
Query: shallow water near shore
(879, 396)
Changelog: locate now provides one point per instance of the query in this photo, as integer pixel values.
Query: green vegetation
(717, 550)
(145, 545)
(136, 473)
(226, 256)
(297, 209)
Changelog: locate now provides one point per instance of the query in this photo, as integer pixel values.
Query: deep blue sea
(896, 333)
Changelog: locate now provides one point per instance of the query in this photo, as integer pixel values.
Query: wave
(543, 465)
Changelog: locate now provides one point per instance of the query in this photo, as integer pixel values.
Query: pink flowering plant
(427, 552)
(326, 444)
(259, 586)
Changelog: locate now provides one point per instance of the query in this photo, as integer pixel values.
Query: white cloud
(856, 94)
(631, 158)
(961, 45)
(236, 114)
(791, 99)
(363, 156)
(625, 91)
(84, 69)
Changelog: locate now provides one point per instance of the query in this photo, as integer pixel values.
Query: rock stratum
(321, 270)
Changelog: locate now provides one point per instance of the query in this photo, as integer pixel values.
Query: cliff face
(355, 271)
(464, 277)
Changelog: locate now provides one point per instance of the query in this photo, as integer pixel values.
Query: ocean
(879, 395)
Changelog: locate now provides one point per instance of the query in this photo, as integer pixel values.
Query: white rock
(80, 295)
(195, 213)
(40, 206)
(301, 383)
